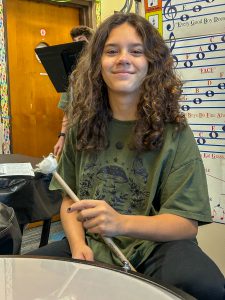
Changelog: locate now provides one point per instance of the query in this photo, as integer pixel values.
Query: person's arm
(61, 140)
(99, 217)
(161, 228)
(74, 232)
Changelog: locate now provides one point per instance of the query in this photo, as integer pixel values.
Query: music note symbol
(188, 63)
(212, 47)
(185, 107)
(213, 134)
(218, 211)
(152, 3)
(209, 93)
(221, 86)
(170, 12)
(197, 101)
(201, 140)
(200, 55)
(154, 20)
(184, 17)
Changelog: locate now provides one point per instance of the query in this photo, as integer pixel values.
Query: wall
(211, 239)
(109, 7)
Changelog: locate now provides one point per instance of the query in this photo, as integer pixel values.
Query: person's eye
(137, 52)
(111, 52)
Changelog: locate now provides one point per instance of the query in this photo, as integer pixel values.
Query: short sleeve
(66, 166)
(185, 192)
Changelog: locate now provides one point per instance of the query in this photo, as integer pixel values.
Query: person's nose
(123, 57)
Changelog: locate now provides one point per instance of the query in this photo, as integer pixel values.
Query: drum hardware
(49, 165)
(126, 266)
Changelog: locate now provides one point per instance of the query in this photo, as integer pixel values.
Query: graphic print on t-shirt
(111, 179)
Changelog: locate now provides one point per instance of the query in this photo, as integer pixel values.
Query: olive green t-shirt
(171, 180)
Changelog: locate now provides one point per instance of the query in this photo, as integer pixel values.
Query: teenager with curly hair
(132, 159)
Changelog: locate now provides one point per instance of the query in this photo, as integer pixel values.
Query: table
(40, 278)
(29, 196)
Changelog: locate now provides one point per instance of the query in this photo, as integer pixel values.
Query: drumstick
(49, 165)
(107, 240)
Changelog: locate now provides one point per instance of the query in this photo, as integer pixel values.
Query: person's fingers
(85, 254)
(89, 255)
(84, 204)
(88, 213)
(79, 256)
(56, 150)
(93, 222)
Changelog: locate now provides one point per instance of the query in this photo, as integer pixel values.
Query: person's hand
(98, 216)
(83, 252)
(59, 146)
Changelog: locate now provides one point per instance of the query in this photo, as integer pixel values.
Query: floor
(31, 236)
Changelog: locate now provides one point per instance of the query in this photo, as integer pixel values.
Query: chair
(10, 234)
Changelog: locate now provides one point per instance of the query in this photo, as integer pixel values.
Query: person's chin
(123, 86)
(123, 90)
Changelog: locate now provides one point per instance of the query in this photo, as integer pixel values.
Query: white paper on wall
(198, 49)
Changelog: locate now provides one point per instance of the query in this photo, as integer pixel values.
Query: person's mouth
(122, 72)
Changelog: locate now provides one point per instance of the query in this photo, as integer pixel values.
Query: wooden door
(36, 120)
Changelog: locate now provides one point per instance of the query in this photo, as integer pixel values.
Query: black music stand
(59, 61)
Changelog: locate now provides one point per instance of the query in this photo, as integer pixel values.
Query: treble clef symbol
(172, 40)
(170, 13)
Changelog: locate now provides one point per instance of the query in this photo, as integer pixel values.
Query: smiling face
(124, 65)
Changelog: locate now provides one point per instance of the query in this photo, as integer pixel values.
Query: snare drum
(37, 278)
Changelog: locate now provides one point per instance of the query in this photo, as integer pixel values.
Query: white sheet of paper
(12, 169)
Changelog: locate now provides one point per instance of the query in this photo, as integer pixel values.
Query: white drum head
(28, 278)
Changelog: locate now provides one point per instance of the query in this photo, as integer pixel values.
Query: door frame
(87, 17)
(87, 10)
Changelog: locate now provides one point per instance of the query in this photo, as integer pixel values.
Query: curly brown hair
(89, 108)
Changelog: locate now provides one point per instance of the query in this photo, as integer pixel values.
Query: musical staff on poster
(195, 33)
(190, 17)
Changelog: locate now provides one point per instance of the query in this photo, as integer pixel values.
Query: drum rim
(158, 283)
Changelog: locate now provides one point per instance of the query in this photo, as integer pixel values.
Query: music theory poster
(195, 34)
